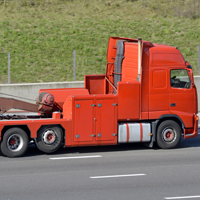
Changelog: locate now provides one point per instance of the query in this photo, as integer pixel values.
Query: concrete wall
(29, 91)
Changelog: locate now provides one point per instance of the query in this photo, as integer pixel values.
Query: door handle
(93, 135)
(172, 104)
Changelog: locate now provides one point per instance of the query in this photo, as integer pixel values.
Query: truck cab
(154, 84)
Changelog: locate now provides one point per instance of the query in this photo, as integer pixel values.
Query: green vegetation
(42, 34)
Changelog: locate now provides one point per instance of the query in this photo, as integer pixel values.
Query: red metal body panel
(68, 133)
(111, 54)
(158, 114)
(93, 119)
(162, 59)
(183, 109)
(56, 115)
(67, 108)
(105, 120)
(159, 79)
(127, 127)
(130, 62)
(96, 84)
(93, 115)
(194, 132)
(128, 100)
(83, 120)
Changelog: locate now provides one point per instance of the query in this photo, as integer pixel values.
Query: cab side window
(179, 78)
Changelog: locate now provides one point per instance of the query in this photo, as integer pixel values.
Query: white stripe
(118, 176)
(63, 158)
(184, 197)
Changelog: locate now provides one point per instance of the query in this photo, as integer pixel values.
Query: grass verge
(42, 34)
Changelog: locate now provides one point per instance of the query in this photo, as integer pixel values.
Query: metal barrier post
(199, 59)
(8, 67)
(74, 55)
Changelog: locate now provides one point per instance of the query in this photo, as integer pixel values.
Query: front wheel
(15, 142)
(49, 138)
(168, 134)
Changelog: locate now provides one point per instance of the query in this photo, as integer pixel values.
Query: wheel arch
(23, 127)
(162, 118)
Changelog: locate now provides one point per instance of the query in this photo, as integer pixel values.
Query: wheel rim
(49, 137)
(15, 142)
(169, 135)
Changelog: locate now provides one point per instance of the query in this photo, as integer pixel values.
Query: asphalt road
(96, 173)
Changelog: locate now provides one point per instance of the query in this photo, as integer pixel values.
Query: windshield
(180, 78)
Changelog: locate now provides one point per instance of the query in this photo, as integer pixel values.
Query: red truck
(146, 95)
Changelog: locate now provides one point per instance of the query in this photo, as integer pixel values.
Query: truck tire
(168, 134)
(15, 142)
(49, 139)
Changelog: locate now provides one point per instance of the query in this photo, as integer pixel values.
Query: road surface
(130, 171)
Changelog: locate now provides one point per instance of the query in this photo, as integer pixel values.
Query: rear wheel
(168, 134)
(49, 138)
(15, 142)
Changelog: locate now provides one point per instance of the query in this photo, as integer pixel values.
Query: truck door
(105, 120)
(181, 96)
(158, 92)
(84, 118)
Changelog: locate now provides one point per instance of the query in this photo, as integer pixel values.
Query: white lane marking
(76, 157)
(118, 176)
(183, 197)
